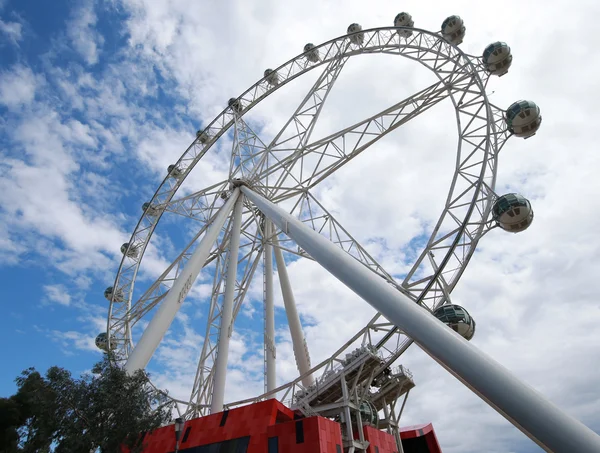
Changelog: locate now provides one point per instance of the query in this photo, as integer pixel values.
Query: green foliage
(58, 413)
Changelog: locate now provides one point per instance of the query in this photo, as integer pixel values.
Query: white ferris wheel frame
(462, 78)
(464, 220)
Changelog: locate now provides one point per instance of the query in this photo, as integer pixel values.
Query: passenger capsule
(356, 38)
(404, 20)
(523, 118)
(131, 252)
(174, 172)
(271, 77)
(202, 136)
(497, 58)
(512, 212)
(457, 318)
(368, 413)
(102, 343)
(235, 105)
(312, 53)
(149, 209)
(453, 30)
(111, 295)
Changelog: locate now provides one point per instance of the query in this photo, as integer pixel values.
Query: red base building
(271, 427)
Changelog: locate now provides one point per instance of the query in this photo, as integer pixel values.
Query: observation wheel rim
(307, 66)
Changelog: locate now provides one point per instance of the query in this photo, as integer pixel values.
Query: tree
(58, 413)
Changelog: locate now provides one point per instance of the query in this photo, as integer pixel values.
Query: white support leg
(226, 329)
(269, 309)
(298, 340)
(543, 422)
(154, 333)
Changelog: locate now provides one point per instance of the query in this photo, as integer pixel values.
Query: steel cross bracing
(296, 133)
(460, 81)
(430, 290)
(422, 44)
(529, 411)
(248, 153)
(199, 205)
(381, 124)
(396, 342)
(248, 261)
(310, 211)
(160, 287)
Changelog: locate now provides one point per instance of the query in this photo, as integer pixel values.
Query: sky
(98, 98)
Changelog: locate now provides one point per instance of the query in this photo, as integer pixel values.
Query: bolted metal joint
(238, 182)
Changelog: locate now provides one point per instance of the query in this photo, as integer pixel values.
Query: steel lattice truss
(292, 165)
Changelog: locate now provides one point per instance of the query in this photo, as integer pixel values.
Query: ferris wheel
(241, 228)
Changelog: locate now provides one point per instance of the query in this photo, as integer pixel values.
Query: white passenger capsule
(235, 105)
(497, 58)
(404, 20)
(453, 30)
(111, 295)
(174, 172)
(512, 212)
(271, 77)
(312, 53)
(202, 136)
(102, 343)
(131, 252)
(523, 118)
(457, 318)
(358, 37)
(150, 209)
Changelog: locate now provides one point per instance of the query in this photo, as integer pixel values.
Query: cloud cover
(86, 140)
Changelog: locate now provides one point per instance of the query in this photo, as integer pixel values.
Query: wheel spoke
(199, 205)
(312, 213)
(248, 151)
(321, 158)
(291, 166)
(297, 131)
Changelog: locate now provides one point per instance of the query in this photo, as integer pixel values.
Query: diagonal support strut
(539, 419)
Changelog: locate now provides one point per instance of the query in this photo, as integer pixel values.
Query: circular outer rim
(377, 40)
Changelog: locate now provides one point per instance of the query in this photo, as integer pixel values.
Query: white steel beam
(543, 422)
(226, 329)
(269, 310)
(298, 340)
(154, 333)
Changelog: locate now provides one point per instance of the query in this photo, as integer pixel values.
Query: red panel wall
(252, 420)
(426, 431)
(268, 419)
(320, 436)
(384, 441)
(259, 421)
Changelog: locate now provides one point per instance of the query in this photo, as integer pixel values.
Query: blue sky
(98, 98)
(47, 51)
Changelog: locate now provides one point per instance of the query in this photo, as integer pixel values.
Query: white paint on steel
(227, 312)
(270, 376)
(298, 341)
(528, 410)
(158, 326)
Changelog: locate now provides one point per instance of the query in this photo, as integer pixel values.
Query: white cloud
(12, 31)
(17, 86)
(58, 294)
(388, 196)
(81, 30)
(70, 341)
(533, 295)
